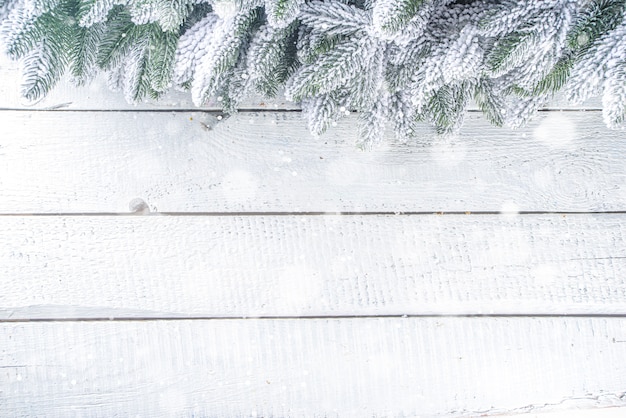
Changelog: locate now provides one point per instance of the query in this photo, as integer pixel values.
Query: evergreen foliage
(395, 62)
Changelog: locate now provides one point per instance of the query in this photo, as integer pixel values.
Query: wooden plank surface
(331, 278)
(311, 368)
(56, 162)
(580, 412)
(260, 266)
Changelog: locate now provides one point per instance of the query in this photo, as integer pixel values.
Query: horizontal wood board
(75, 162)
(580, 412)
(251, 266)
(402, 367)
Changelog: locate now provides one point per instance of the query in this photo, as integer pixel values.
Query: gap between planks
(319, 213)
(315, 317)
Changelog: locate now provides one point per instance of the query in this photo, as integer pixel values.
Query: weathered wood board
(268, 266)
(579, 412)
(60, 162)
(311, 368)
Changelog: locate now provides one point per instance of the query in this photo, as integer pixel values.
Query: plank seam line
(59, 108)
(311, 317)
(318, 213)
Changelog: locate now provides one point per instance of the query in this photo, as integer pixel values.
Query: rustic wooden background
(162, 260)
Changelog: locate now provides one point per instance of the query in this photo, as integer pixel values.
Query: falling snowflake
(556, 131)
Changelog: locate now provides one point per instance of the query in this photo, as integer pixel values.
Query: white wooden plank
(251, 266)
(608, 412)
(178, 162)
(98, 96)
(311, 368)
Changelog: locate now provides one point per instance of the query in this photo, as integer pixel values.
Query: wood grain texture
(251, 266)
(75, 268)
(579, 412)
(311, 368)
(180, 162)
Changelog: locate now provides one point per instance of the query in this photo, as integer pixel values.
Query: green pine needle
(446, 107)
(599, 17)
(489, 103)
(161, 53)
(509, 52)
(391, 16)
(83, 53)
(120, 36)
(551, 82)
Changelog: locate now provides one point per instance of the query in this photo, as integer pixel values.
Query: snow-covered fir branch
(395, 62)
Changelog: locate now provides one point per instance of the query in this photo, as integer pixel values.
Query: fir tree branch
(323, 110)
(120, 36)
(311, 44)
(22, 32)
(282, 13)
(446, 107)
(551, 82)
(136, 83)
(169, 14)
(614, 98)
(42, 69)
(372, 122)
(596, 19)
(191, 48)
(83, 53)
(403, 115)
(391, 16)
(223, 54)
(161, 53)
(330, 71)
(43, 42)
(97, 11)
(271, 58)
(334, 18)
(489, 102)
(510, 52)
